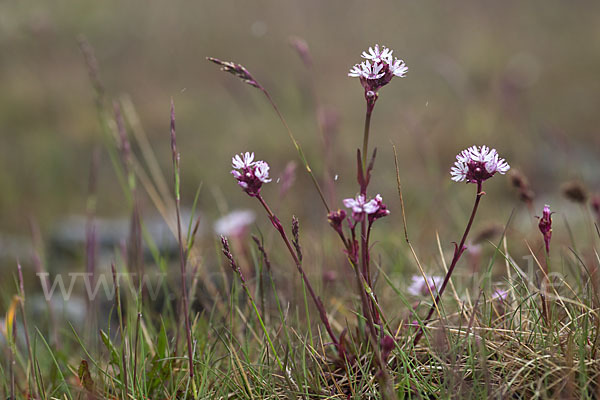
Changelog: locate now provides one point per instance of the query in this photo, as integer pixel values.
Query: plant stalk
(316, 299)
(457, 253)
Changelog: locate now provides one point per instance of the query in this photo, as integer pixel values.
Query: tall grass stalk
(182, 251)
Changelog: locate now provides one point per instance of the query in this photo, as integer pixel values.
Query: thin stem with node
(318, 303)
(182, 258)
(366, 134)
(458, 251)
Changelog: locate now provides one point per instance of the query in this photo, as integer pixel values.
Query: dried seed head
(336, 219)
(237, 70)
(488, 232)
(520, 182)
(575, 191)
(301, 48)
(296, 236)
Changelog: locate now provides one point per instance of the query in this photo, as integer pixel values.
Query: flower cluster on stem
(250, 174)
(477, 164)
(377, 70)
(473, 165)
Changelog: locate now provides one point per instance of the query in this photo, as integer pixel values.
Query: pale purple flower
(235, 223)
(242, 160)
(419, 286)
(476, 164)
(382, 210)
(360, 206)
(398, 68)
(367, 70)
(261, 171)
(377, 70)
(250, 174)
(500, 294)
(378, 54)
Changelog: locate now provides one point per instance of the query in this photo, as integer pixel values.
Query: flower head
(250, 174)
(420, 286)
(382, 210)
(377, 70)
(499, 294)
(545, 226)
(374, 208)
(476, 164)
(378, 54)
(235, 223)
(336, 219)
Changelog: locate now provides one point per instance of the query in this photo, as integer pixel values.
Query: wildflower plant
(529, 336)
(473, 165)
(354, 224)
(376, 71)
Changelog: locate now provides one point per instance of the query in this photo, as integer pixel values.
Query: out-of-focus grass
(519, 76)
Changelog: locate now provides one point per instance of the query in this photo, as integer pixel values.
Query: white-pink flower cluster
(378, 69)
(374, 208)
(476, 164)
(378, 61)
(235, 223)
(250, 174)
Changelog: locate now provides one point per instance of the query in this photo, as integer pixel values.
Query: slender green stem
(262, 324)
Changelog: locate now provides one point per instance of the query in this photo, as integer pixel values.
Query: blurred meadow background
(522, 77)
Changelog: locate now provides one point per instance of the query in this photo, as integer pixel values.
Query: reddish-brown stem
(316, 299)
(366, 135)
(457, 253)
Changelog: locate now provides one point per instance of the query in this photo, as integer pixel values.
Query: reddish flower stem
(457, 253)
(319, 304)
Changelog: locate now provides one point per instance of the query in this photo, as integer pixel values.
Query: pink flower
(419, 287)
(382, 210)
(250, 174)
(377, 70)
(499, 294)
(360, 206)
(235, 223)
(545, 226)
(378, 54)
(476, 164)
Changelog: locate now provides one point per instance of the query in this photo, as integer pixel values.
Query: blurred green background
(519, 76)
